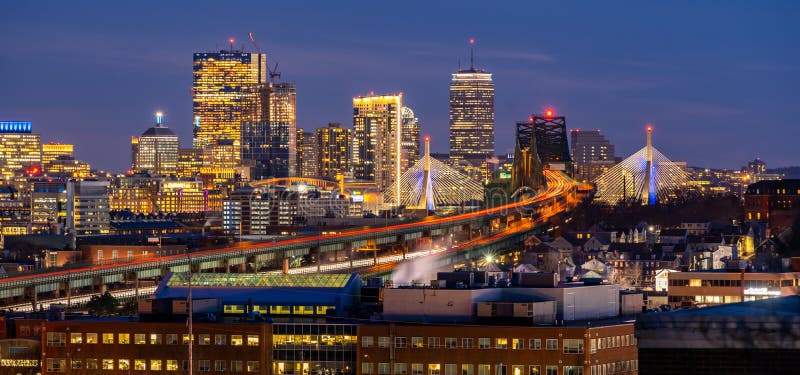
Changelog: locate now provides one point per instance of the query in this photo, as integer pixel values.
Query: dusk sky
(719, 80)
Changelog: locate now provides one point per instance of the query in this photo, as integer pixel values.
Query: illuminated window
(185, 338)
(534, 370)
(517, 344)
(252, 340)
(139, 339)
(416, 342)
(91, 364)
(467, 369)
(304, 310)
(155, 365)
(219, 339)
(108, 364)
(501, 343)
(252, 366)
(124, 364)
(56, 338)
(75, 338)
(695, 282)
(76, 364)
(172, 365)
(139, 365)
(204, 339)
(236, 340)
(416, 369)
(124, 338)
(56, 364)
(91, 338)
(155, 339)
(434, 369)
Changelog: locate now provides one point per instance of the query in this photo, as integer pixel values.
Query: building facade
(409, 139)
(223, 83)
(377, 139)
(588, 147)
(471, 114)
(88, 207)
(775, 202)
(54, 150)
(713, 288)
(307, 154)
(19, 148)
(333, 150)
(156, 150)
(48, 207)
(269, 134)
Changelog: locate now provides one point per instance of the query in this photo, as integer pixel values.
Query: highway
(558, 186)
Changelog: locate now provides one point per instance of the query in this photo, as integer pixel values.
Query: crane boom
(272, 72)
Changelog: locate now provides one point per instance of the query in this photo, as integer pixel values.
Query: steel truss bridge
(558, 197)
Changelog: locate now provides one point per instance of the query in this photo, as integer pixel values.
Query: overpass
(558, 196)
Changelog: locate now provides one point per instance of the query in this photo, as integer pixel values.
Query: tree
(103, 305)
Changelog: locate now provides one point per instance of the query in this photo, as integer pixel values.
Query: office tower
(376, 139)
(156, 150)
(307, 154)
(19, 148)
(333, 150)
(472, 113)
(88, 207)
(48, 207)
(409, 139)
(270, 130)
(181, 196)
(69, 167)
(54, 150)
(190, 160)
(221, 85)
(591, 153)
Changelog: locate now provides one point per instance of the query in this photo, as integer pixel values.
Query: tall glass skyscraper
(376, 138)
(409, 139)
(334, 150)
(156, 150)
(471, 114)
(221, 86)
(19, 148)
(269, 131)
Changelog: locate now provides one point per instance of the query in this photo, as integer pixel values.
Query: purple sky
(719, 80)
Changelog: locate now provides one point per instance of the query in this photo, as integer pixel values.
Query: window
(367, 342)
(185, 338)
(155, 365)
(219, 365)
(484, 343)
(139, 365)
(434, 369)
(76, 338)
(450, 369)
(552, 344)
(466, 369)
(124, 364)
(139, 339)
(400, 369)
(450, 342)
(91, 364)
(236, 340)
(91, 338)
(204, 339)
(466, 343)
(366, 367)
(56, 364)
(155, 339)
(517, 370)
(416, 342)
(236, 366)
(76, 364)
(56, 339)
(484, 369)
(433, 342)
(383, 342)
(416, 369)
(219, 339)
(534, 370)
(252, 341)
(124, 338)
(551, 370)
(172, 365)
(400, 342)
(252, 366)
(204, 365)
(501, 343)
(172, 339)
(573, 346)
(517, 344)
(500, 369)
(108, 364)
(573, 370)
(593, 346)
(384, 369)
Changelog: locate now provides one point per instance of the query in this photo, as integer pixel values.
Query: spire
(471, 53)
(159, 118)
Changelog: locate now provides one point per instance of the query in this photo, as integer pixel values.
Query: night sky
(719, 80)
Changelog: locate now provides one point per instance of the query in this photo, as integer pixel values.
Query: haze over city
(718, 83)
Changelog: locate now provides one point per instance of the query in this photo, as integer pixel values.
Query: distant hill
(787, 172)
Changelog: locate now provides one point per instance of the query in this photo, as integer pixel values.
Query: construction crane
(272, 72)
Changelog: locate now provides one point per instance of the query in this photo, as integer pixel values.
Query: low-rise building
(686, 289)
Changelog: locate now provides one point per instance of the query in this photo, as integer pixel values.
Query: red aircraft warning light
(649, 128)
(549, 113)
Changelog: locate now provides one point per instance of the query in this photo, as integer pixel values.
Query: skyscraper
(409, 139)
(472, 113)
(270, 130)
(19, 148)
(88, 207)
(53, 150)
(221, 86)
(334, 150)
(156, 150)
(307, 154)
(592, 153)
(376, 139)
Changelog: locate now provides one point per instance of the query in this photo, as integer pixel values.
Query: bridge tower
(551, 140)
(526, 172)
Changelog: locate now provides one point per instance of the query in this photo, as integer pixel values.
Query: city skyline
(716, 87)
